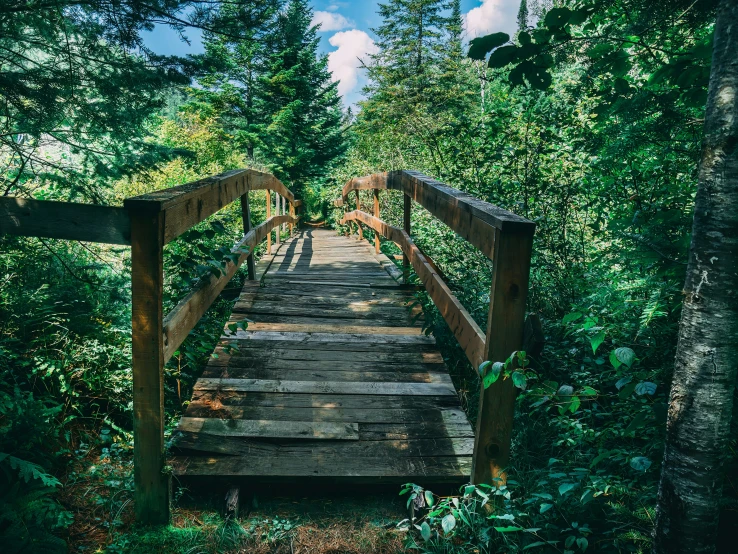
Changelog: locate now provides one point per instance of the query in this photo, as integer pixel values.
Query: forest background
(598, 142)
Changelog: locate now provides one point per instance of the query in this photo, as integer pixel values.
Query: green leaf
(508, 529)
(429, 500)
(568, 318)
(519, 380)
(480, 46)
(582, 543)
(626, 391)
(566, 487)
(523, 38)
(614, 360)
(425, 531)
(545, 507)
(448, 523)
(557, 17)
(574, 404)
(596, 341)
(625, 355)
(587, 496)
(645, 387)
(493, 374)
(587, 391)
(640, 463)
(503, 56)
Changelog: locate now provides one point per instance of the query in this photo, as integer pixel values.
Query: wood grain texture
(64, 220)
(331, 343)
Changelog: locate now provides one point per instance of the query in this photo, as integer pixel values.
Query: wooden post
(292, 213)
(284, 211)
(407, 206)
(358, 207)
(246, 216)
(151, 482)
(277, 228)
(269, 214)
(505, 323)
(376, 214)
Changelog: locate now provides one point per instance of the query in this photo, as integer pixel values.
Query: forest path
(333, 379)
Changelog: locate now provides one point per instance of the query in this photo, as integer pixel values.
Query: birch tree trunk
(706, 363)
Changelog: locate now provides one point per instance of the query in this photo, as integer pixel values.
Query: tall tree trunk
(706, 364)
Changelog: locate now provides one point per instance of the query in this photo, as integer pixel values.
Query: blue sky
(346, 35)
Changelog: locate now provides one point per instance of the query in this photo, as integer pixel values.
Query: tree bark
(706, 363)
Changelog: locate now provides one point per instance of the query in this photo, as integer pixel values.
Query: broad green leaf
(425, 531)
(625, 355)
(508, 529)
(645, 387)
(545, 507)
(568, 318)
(493, 374)
(626, 391)
(523, 38)
(519, 380)
(429, 500)
(640, 463)
(596, 341)
(481, 46)
(448, 523)
(557, 17)
(566, 487)
(587, 496)
(582, 543)
(565, 390)
(614, 360)
(503, 56)
(588, 391)
(574, 404)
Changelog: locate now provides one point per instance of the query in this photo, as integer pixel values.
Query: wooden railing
(147, 223)
(506, 239)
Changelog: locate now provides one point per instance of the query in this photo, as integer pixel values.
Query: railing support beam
(246, 216)
(505, 323)
(407, 206)
(376, 214)
(152, 484)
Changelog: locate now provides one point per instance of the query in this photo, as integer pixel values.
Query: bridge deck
(333, 379)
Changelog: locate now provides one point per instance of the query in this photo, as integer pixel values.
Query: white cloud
(492, 16)
(330, 21)
(344, 63)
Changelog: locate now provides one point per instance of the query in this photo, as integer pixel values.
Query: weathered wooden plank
(412, 448)
(325, 328)
(363, 402)
(357, 359)
(228, 406)
(282, 374)
(328, 341)
(64, 220)
(444, 469)
(270, 429)
(325, 387)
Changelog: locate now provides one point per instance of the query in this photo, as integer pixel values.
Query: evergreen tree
(412, 38)
(236, 62)
(523, 15)
(302, 134)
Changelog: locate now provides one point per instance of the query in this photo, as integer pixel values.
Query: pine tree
(236, 61)
(302, 135)
(523, 15)
(412, 39)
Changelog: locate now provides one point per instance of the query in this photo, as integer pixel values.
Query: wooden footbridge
(333, 378)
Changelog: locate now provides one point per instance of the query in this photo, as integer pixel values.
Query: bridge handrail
(147, 223)
(505, 238)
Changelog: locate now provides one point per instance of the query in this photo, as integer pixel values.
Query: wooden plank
(290, 355)
(324, 364)
(414, 430)
(226, 406)
(462, 325)
(185, 315)
(270, 429)
(283, 374)
(443, 469)
(325, 387)
(64, 220)
(151, 482)
(330, 340)
(325, 328)
(363, 402)
(412, 448)
(504, 335)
